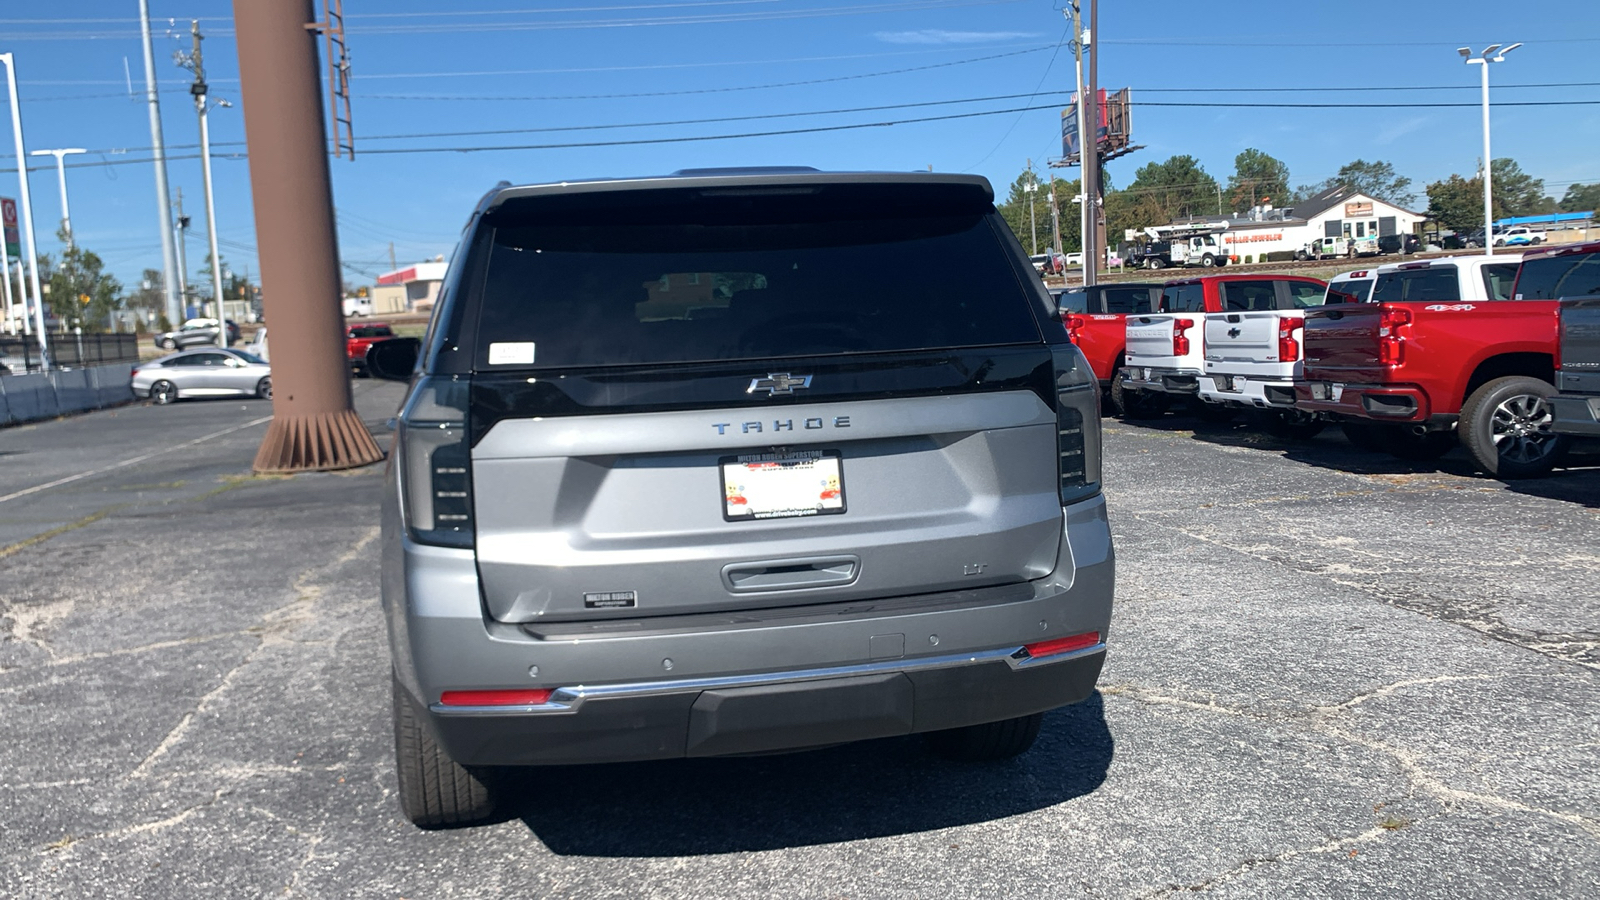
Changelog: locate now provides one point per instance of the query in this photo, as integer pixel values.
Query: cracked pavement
(1331, 674)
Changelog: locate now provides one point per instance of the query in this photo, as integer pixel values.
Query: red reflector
(495, 698)
(1062, 645)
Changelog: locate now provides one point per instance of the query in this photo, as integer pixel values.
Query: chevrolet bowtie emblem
(778, 383)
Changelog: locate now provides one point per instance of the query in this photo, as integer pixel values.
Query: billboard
(1113, 114)
(8, 218)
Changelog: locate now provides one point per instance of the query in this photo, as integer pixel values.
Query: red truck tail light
(1391, 343)
(1180, 341)
(1288, 345)
(1075, 324)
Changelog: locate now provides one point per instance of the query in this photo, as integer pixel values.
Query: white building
(412, 289)
(1336, 212)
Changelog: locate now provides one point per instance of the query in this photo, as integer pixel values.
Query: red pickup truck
(1441, 353)
(357, 338)
(1096, 320)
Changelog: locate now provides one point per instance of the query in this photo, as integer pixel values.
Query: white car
(203, 373)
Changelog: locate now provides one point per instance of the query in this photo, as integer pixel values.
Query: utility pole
(30, 247)
(1055, 216)
(314, 423)
(195, 62)
(1093, 253)
(1033, 222)
(1086, 137)
(61, 176)
(159, 155)
(181, 241)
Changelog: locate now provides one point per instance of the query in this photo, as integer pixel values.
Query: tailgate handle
(1335, 314)
(790, 574)
(1233, 317)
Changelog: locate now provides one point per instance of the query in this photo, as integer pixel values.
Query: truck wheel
(1537, 241)
(1207, 261)
(435, 790)
(1153, 263)
(1136, 404)
(1403, 443)
(986, 742)
(1506, 427)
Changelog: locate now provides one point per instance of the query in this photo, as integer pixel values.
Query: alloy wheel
(1520, 428)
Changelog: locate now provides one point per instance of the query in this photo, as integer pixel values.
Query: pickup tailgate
(1150, 341)
(1246, 343)
(1341, 343)
(1580, 346)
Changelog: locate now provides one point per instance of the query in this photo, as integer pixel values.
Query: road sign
(8, 217)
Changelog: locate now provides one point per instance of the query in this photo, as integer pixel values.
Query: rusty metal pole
(314, 424)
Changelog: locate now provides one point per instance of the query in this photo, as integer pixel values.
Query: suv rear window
(710, 280)
(1558, 277)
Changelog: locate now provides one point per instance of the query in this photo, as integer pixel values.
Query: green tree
(1581, 198)
(1257, 177)
(1014, 209)
(1456, 202)
(1516, 193)
(1162, 191)
(1376, 179)
(81, 293)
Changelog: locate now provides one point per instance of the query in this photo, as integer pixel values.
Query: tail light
(1180, 341)
(1075, 324)
(1077, 425)
(1391, 343)
(1288, 345)
(436, 478)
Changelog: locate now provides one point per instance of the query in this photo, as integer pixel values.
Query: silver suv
(690, 466)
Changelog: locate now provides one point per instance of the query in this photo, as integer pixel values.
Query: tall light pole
(159, 157)
(61, 176)
(1491, 53)
(31, 259)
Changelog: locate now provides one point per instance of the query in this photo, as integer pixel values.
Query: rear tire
(264, 388)
(987, 742)
(1136, 404)
(1505, 425)
(435, 790)
(163, 392)
(1154, 263)
(1207, 261)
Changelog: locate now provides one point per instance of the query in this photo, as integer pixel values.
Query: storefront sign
(1359, 209)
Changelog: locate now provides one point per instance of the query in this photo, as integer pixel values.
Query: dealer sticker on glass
(782, 485)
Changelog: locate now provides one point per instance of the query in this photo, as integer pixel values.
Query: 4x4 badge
(778, 383)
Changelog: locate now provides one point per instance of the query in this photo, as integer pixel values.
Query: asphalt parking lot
(1331, 674)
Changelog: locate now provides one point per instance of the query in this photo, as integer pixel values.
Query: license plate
(782, 485)
(1319, 390)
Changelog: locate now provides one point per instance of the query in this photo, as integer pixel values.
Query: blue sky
(432, 66)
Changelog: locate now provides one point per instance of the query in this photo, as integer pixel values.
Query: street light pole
(31, 259)
(1491, 53)
(1033, 221)
(61, 176)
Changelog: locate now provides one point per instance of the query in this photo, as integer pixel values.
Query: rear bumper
(1161, 380)
(1576, 414)
(713, 685)
(1381, 403)
(1259, 393)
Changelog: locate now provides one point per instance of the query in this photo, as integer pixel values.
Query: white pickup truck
(1252, 348)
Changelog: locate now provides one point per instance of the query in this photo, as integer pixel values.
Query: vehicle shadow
(866, 790)
(1576, 481)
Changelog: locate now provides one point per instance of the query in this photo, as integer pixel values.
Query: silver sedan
(203, 373)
